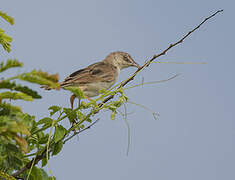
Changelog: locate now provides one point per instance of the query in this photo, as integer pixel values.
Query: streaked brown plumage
(100, 75)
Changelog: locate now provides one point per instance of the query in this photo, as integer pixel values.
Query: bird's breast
(93, 89)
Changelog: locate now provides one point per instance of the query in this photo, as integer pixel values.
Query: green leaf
(117, 103)
(54, 109)
(45, 120)
(19, 127)
(44, 174)
(35, 174)
(45, 126)
(35, 77)
(17, 161)
(15, 96)
(6, 109)
(102, 91)
(82, 126)
(51, 77)
(5, 41)
(12, 147)
(72, 114)
(7, 18)
(77, 91)
(51, 178)
(82, 116)
(44, 162)
(17, 87)
(11, 63)
(57, 148)
(44, 139)
(112, 107)
(59, 133)
(84, 105)
(113, 115)
(22, 143)
(6, 176)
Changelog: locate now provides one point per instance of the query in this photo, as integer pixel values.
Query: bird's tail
(46, 87)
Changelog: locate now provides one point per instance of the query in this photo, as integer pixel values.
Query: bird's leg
(72, 100)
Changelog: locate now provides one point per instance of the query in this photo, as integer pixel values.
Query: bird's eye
(126, 59)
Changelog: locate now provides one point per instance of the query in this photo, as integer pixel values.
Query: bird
(100, 75)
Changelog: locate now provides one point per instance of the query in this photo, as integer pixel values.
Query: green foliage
(60, 131)
(50, 77)
(5, 40)
(17, 87)
(57, 147)
(7, 18)
(45, 120)
(116, 104)
(14, 130)
(38, 174)
(6, 176)
(6, 108)
(54, 109)
(15, 96)
(38, 77)
(72, 115)
(11, 63)
(20, 134)
(77, 91)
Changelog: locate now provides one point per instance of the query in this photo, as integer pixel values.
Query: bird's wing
(98, 72)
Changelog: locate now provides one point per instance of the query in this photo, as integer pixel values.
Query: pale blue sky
(194, 136)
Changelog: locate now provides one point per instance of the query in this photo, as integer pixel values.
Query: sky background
(194, 135)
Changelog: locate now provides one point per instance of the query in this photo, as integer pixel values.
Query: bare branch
(78, 132)
(160, 54)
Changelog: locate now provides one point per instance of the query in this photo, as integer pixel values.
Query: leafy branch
(7, 18)
(5, 40)
(16, 127)
(51, 144)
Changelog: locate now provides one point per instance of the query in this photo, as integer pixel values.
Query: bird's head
(121, 60)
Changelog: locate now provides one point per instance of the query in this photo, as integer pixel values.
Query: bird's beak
(136, 65)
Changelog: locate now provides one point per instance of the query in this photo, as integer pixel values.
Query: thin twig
(128, 130)
(78, 132)
(155, 114)
(152, 82)
(34, 161)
